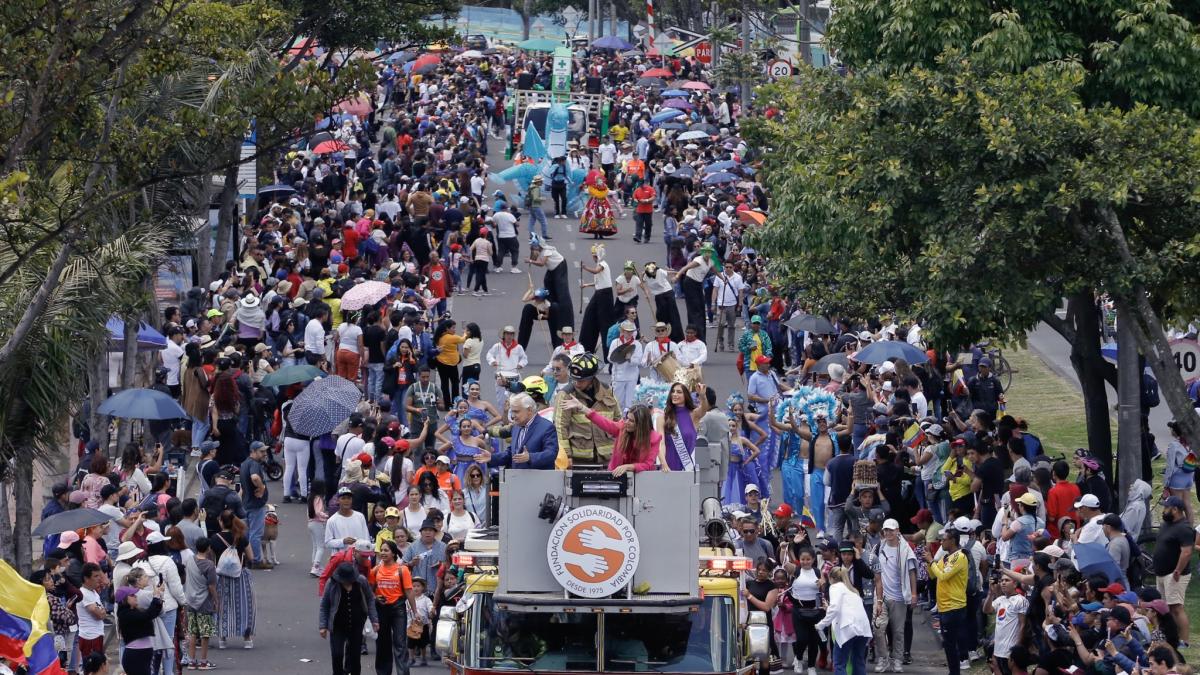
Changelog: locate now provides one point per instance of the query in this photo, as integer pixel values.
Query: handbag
(415, 629)
(813, 614)
(162, 639)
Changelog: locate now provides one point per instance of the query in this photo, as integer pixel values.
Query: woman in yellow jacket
(448, 344)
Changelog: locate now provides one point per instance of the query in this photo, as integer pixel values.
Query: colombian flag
(914, 436)
(25, 624)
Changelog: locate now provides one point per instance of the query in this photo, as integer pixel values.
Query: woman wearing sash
(680, 417)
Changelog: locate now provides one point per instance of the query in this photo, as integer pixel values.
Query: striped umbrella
(323, 405)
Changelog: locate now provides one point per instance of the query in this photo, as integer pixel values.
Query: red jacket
(346, 555)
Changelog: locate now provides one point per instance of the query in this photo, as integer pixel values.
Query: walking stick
(581, 288)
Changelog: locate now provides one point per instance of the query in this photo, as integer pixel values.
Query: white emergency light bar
(725, 563)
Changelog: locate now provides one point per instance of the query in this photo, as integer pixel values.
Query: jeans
(316, 531)
(835, 522)
(256, 521)
(392, 644)
(296, 453)
(398, 404)
(164, 659)
(953, 627)
(199, 431)
(853, 653)
(857, 433)
(816, 496)
(344, 651)
(536, 215)
(374, 381)
(897, 621)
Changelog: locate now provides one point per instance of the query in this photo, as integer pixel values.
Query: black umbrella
(76, 519)
(710, 129)
(651, 82)
(810, 323)
(822, 365)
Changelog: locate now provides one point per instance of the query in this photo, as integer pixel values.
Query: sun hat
(128, 550)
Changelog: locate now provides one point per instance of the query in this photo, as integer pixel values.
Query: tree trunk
(7, 551)
(1090, 367)
(1149, 336)
(23, 517)
(203, 255)
(227, 216)
(1129, 418)
(97, 392)
(128, 377)
(526, 19)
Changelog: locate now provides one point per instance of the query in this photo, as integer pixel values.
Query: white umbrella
(366, 293)
(469, 54)
(692, 136)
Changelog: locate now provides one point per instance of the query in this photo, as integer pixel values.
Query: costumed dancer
(793, 468)
(742, 454)
(556, 281)
(598, 219)
(822, 440)
(599, 313)
(463, 447)
(660, 294)
(748, 429)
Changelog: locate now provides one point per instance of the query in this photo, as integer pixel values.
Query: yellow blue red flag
(25, 632)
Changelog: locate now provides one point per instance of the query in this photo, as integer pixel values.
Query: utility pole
(612, 17)
(714, 21)
(805, 32)
(745, 83)
(1129, 407)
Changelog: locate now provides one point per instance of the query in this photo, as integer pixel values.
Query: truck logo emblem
(593, 551)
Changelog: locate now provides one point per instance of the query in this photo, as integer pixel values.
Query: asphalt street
(287, 638)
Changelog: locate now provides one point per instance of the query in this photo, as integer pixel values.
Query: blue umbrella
(670, 93)
(1094, 559)
(719, 177)
(685, 171)
(676, 126)
(666, 115)
(720, 166)
(142, 404)
(611, 42)
(273, 189)
(147, 336)
(886, 350)
(323, 405)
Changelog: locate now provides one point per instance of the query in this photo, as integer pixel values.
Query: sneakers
(515, 270)
(907, 658)
(964, 665)
(881, 666)
(315, 572)
(798, 667)
(896, 667)
(220, 643)
(248, 644)
(973, 655)
(475, 293)
(203, 665)
(812, 671)
(185, 662)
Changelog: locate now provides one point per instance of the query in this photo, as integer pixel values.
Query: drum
(667, 366)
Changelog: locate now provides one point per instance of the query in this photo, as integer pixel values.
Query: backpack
(1139, 562)
(1150, 397)
(529, 198)
(972, 573)
(230, 562)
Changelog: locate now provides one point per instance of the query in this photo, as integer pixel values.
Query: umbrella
(693, 84)
(323, 405)
(810, 323)
(719, 177)
(142, 404)
(426, 59)
(650, 82)
(685, 171)
(632, 53)
(676, 92)
(75, 519)
(321, 136)
(426, 68)
(720, 166)
(750, 217)
(707, 128)
(673, 126)
(469, 54)
(886, 350)
(360, 106)
(538, 45)
(822, 365)
(366, 293)
(292, 375)
(658, 72)
(328, 147)
(746, 185)
(401, 57)
(678, 104)
(147, 337)
(666, 115)
(275, 189)
(1094, 558)
(692, 136)
(611, 42)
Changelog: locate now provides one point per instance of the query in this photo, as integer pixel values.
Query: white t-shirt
(477, 184)
(608, 153)
(459, 526)
(112, 538)
(701, 269)
(413, 519)
(347, 446)
(657, 283)
(314, 337)
(603, 278)
(506, 225)
(920, 405)
(725, 290)
(348, 335)
(171, 356)
(90, 627)
(889, 570)
(626, 289)
(1008, 618)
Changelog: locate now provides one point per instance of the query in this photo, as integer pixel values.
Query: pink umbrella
(658, 72)
(693, 84)
(327, 147)
(360, 106)
(678, 104)
(365, 294)
(425, 60)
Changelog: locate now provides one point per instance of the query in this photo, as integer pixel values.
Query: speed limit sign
(1187, 358)
(779, 69)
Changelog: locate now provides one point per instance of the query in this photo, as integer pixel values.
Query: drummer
(626, 355)
(692, 351)
(662, 369)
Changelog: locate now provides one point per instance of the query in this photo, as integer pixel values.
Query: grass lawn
(1054, 409)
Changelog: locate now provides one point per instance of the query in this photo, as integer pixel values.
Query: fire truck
(590, 573)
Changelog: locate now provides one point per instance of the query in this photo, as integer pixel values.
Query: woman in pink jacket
(636, 446)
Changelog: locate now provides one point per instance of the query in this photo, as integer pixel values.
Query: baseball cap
(1091, 607)
(935, 430)
(962, 524)
(756, 319)
(783, 511)
(1054, 551)
(1093, 502)
(891, 524)
(444, 459)
(750, 487)
(985, 362)
(363, 546)
(345, 492)
(877, 516)
(762, 359)
(1112, 589)
(923, 515)
(1029, 500)
(67, 538)
(1171, 501)
(155, 538)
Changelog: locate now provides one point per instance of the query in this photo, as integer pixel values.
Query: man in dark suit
(534, 442)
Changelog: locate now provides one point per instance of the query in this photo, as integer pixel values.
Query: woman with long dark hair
(680, 418)
(637, 442)
(448, 357)
(431, 493)
(226, 406)
(195, 392)
(235, 594)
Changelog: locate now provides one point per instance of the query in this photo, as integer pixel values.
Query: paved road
(286, 596)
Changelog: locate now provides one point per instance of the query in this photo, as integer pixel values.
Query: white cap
(887, 367)
(891, 524)
(750, 487)
(444, 459)
(962, 524)
(1054, 550)
(1090, 501)
(155, 537)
